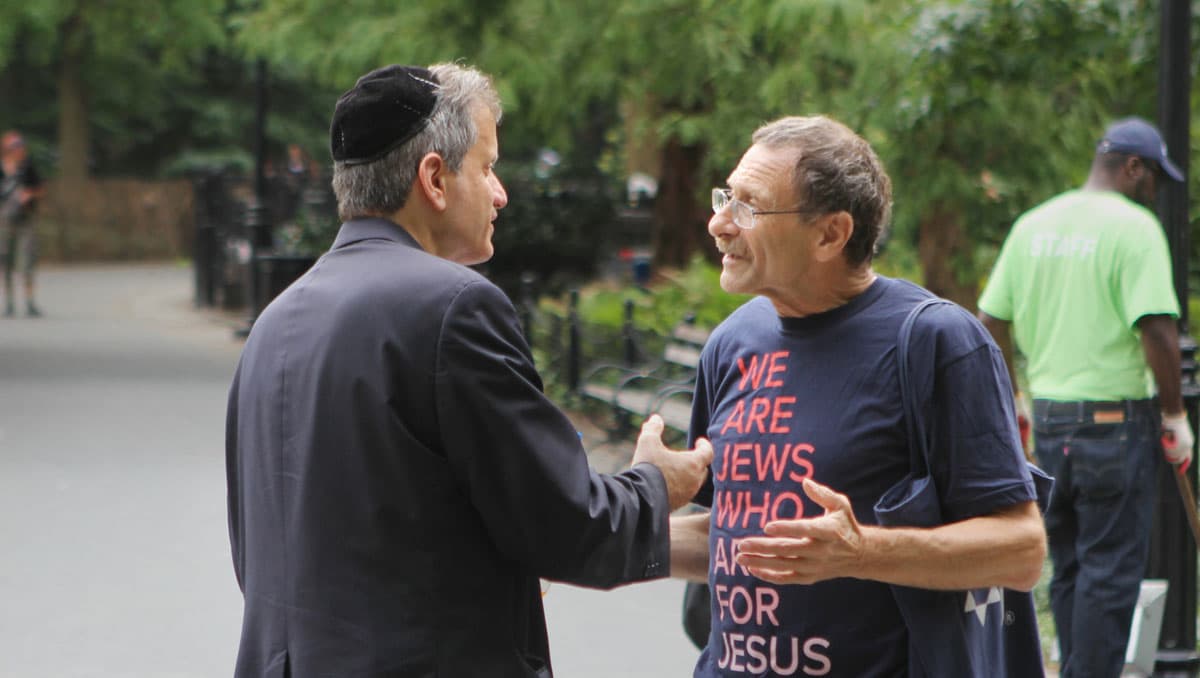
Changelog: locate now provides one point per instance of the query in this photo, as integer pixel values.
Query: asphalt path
(114, 554)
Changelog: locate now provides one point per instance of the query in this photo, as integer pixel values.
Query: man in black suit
(397, 480)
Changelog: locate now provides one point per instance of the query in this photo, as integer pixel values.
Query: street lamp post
(258, 217)
(1173, 549)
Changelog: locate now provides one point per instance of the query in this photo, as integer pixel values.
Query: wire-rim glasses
(741, 214)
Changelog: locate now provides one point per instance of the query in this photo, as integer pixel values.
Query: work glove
(1024, 423)
(1177, 439)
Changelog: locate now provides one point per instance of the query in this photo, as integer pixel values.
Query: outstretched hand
(807, 550)
(684, 471)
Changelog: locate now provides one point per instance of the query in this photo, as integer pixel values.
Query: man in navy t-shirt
(798, 392)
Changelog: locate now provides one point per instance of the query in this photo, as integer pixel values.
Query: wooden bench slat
(599, 391)
(676, 414)
(690, 334)
(682, 355)
(638, 402)
(644, 392)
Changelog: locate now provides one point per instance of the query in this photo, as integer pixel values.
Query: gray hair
(382, 187)
(836, 171)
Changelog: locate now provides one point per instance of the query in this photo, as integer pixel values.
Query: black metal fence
(298, 214)
(565, 346)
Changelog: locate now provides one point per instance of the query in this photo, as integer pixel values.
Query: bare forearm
(1004, 549)
(1160, 343)
(689, 546)
(1000, 333)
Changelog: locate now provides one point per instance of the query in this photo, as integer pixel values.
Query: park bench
(664, 386)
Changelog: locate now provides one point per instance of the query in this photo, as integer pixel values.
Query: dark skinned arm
(999, 330)
(1160, 342)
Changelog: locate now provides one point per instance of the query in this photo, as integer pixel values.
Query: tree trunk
(74, 137)
(641, 148)
(945, 250)
(73, 133)
(681, 221)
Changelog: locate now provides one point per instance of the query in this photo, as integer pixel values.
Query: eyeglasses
(741, 214)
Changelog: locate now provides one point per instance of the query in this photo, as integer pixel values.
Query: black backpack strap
(918, 444)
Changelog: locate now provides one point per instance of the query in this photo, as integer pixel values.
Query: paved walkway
(116, 557)
(112, 497)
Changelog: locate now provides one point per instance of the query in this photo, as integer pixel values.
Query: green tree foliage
(702, 74)
(145, 88)
(996, 105)
(113, 63)
(980, 108)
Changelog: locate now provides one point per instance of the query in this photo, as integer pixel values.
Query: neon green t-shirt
(1074, 276)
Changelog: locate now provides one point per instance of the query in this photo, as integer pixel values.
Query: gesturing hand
(683, 471)
(807, 550)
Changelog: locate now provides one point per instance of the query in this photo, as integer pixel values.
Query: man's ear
(1134, 167)
(431, 180)
(833, 232)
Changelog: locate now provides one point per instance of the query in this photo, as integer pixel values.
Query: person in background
(398, 482)
(20, 190)
(1084, 281)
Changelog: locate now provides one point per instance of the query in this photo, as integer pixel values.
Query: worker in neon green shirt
(1084, 280)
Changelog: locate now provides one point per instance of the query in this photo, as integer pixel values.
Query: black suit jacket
(398, 481)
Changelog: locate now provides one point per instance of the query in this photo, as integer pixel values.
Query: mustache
(728, 247)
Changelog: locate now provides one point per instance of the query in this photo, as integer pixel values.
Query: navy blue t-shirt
(782, 399)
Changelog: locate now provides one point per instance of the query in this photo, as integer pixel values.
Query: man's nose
(499, 195)
(721, 224)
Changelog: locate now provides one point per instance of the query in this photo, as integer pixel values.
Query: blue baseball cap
(1138, 137)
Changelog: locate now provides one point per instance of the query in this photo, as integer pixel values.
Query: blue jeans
(1104, 457)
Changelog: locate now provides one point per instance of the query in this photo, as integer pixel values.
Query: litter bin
(276, 272)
